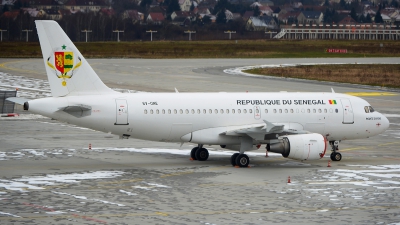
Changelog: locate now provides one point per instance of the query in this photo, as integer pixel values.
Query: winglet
(332, 90)
(176, 90)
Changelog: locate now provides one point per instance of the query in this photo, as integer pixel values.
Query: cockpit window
(371, 109)
(366, 108)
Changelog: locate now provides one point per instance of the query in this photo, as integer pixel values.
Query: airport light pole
(86, 31)
(27, 33)
(151, 33)
(1, 31)
(190, 32)
(230, 33)
(118, 31)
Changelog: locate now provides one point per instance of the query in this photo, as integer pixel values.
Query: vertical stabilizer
(67, 70)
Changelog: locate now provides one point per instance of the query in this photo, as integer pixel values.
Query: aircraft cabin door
(257, 112)
(348, 115)
(122, 112)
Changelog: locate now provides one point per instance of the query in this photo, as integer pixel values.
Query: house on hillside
(155, 18)
(133, 15)
(310, 17)
(185, 14)
(52, 14)
(185, 5)
(261, 23)
(289, 17)
(348, 20)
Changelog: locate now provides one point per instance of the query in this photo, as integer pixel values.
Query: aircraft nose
(385, 123)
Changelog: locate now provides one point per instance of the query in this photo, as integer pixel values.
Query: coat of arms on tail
(64, 63)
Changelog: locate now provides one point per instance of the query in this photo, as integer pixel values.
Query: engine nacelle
(237, 147)
(300, 147)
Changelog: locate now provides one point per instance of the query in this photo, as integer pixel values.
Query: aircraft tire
(332, 156)
(193, 153)
(233, 159)
(202, 154)
(242, 160)
(337, 156)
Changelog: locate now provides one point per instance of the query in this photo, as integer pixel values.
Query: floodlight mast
(86, 31)
(118, 31)
(151, 33)
(1, 34)
(26, 34)
(230, 33)
(190, 32)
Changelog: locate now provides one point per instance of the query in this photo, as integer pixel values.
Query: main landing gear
(199, 153)
(240, 160)
(335, 155)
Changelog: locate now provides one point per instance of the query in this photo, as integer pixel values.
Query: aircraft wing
(265, 131)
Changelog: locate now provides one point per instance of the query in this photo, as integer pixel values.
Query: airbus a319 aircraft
(298, 125)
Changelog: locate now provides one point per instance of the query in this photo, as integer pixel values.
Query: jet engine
(300, 147)
(237, 147)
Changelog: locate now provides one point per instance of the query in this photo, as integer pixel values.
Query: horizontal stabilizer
(17, 100)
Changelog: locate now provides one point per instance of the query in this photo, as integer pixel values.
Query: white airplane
(297, 125)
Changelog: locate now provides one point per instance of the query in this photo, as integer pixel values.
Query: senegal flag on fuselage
(64, 61)
(332, 102)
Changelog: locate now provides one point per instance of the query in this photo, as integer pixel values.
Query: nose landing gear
(335, 155)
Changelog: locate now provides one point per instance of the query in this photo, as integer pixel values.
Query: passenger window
(314, 110)
(181, 111)
(274, 110)
(336, 110)
(204, 111)
(308, 110)
(371, 109)
(286, 111)
(319, 110)
(210, 111)
(222, 111)
(266, 110)
(198, 111)
(157, 111)
(187, 111)
(280, 110)
(227, 111)
(163, 111)
(233, 111)
(192, 111)
(145, 111)
(216, 111)
(250, 111)
(175, 111)
(291, 110)
(151, 111)
(239, 111)
(244, 111)
(325, 110)
(331, 110)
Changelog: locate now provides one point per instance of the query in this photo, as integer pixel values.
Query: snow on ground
(38, 182)
(379, 177)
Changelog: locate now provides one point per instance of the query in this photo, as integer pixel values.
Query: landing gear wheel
(193, 153)
(242, 160)
(202, 154)
(336, 156)
(233, 159)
